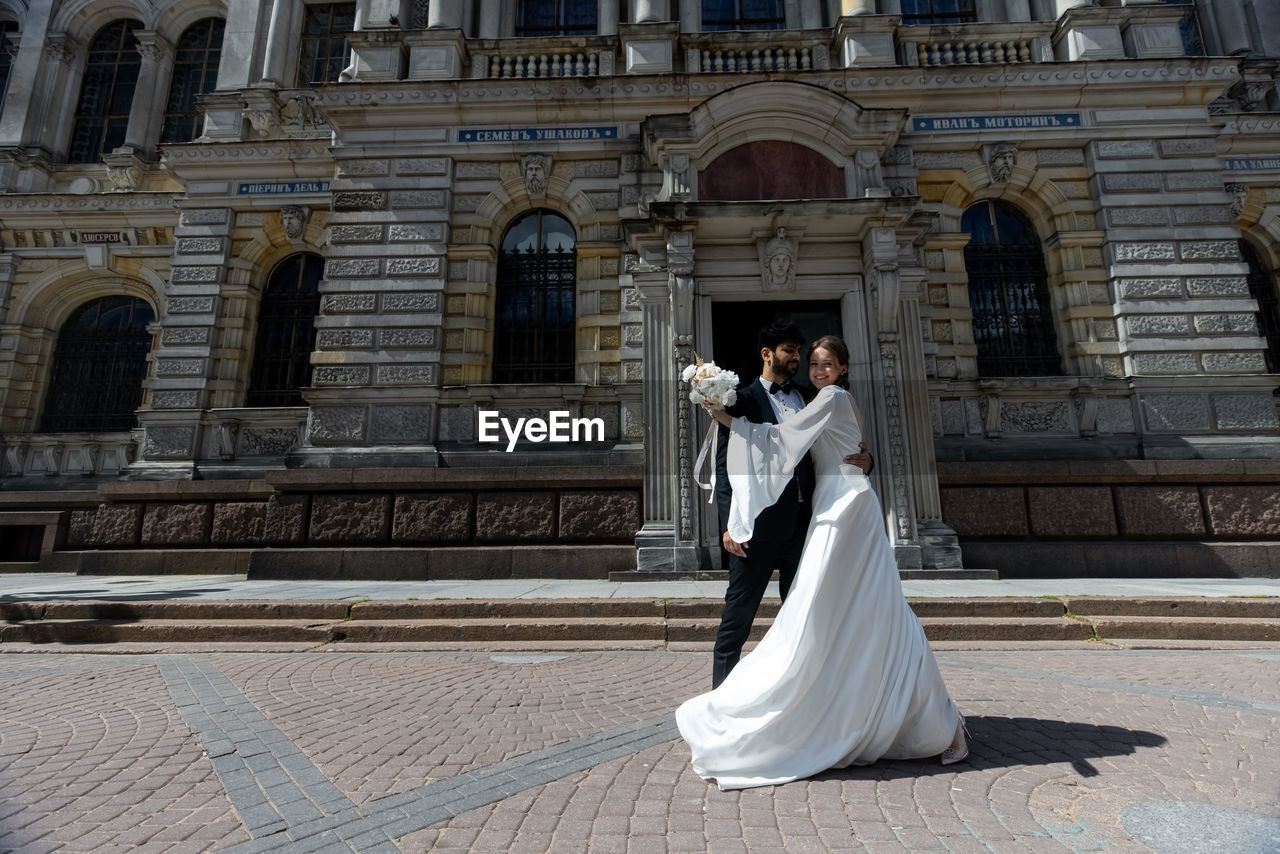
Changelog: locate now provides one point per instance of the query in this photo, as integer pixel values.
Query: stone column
(607, 17)
(1230, 22)
(442, 15)
(1063, 6)
(244, 47)
(690, 16)
(490, 19)
(648, 11)
(857, 7)
(27, 79)
(281, 32)
(63, 67)
(150, 96)
(811, 14)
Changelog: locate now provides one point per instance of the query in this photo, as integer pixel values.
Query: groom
(780, 529)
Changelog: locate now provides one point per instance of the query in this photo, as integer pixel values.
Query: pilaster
(892, 450)
(376, 379)
(1189, 338)
(182, 359)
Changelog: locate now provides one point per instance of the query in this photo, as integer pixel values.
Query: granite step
(606, 623)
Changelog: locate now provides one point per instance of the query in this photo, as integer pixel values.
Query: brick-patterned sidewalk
(1172, 751)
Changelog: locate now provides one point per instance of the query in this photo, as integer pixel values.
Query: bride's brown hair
(836, 347)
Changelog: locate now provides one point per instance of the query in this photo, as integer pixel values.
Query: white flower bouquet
(709, 383)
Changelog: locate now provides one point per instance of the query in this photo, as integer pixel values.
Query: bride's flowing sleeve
(763, 457)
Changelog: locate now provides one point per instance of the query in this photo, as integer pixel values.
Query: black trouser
(748, 578)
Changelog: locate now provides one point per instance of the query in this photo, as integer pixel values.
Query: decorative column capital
(153, 47)
(60, 47)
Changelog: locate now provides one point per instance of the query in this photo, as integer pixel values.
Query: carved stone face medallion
(1004, 156)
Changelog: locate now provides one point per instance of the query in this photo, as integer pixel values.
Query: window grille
(286, 332)
(743, 15)
(535, 316)
(1008, 294)
(99, 363)
(324, 50)
(106, 93)
(927, 12)
(8, 50)
(1262, 287)
(195, 72)
(556, 18)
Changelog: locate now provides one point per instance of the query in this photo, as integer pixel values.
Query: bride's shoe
(959, 748)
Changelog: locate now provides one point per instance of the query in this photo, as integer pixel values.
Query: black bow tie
(785, 388)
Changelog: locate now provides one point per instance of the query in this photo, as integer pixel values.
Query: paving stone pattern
(454, 752)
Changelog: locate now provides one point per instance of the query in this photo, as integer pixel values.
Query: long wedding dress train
(844, 676)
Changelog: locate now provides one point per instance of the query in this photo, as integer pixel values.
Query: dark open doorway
(734, 326)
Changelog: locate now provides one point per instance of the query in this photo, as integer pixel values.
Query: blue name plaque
(280, 188)
(1017, 121)
(1253, 164)
(552, 134)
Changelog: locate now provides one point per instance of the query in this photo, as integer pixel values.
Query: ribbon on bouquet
(703, 453)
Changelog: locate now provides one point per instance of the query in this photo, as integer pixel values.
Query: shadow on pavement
(1000, 742)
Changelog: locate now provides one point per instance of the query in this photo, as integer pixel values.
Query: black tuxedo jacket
(777, 522)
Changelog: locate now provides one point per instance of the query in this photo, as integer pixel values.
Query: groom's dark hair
(777, 332)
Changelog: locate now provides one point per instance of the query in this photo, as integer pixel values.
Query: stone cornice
(1241, 124)
(44, 204)
(245, 152)
(631, 98)
(275, 159)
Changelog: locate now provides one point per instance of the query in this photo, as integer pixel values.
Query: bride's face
(825, 368)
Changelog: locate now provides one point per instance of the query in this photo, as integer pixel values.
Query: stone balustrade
(756, 52)
(62, 454)
(985, 44)
(543, 65)
(542, 58)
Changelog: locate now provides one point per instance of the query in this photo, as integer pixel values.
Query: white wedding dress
(844, 676)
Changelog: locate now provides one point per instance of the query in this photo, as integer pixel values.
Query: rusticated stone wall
(1134, 518)
(395, 508)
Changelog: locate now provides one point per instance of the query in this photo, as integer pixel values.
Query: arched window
(743, 15)
(195, 72)
(535, 323)
(1009, 294)
(324, 50)
(106, 92)
(938, 11)
(556, 18)
(286, 332)
(99, 364)
(8, 36)
(1262, 287)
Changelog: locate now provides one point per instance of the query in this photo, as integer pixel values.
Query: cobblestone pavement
(1080, 750)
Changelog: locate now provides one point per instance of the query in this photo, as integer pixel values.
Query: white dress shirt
(784, 405)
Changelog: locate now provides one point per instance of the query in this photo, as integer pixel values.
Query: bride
(844, 676)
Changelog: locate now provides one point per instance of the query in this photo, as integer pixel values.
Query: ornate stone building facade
(266, 267)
